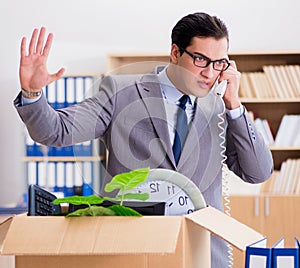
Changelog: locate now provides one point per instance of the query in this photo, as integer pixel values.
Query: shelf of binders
(65, 178)
(66, 170)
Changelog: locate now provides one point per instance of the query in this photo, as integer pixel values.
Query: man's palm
(33, 66)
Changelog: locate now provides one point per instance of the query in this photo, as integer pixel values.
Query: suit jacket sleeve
(247, 154)
(85, 121)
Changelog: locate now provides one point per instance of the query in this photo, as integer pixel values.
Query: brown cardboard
(135, 242)
(231, 230)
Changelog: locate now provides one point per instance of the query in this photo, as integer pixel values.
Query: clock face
(181, 195)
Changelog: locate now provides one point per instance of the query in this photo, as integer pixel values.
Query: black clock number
(171, 189)
(183, 200)
(154, 187)
(190, 211)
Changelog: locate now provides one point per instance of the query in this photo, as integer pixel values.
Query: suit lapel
(150, 92)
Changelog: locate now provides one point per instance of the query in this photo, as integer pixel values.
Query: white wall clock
(181, 195)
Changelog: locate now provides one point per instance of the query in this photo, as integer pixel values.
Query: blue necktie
(181, 129)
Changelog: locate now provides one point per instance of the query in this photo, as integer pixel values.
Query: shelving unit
(246, 61)
(273, 110)
(63, 158)
(134, 63)
(273, 216)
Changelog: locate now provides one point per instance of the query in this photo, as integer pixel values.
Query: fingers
(36, 45)
(23, 48)
(232, 70)
(233, 64)
(31, 48)
(60, 73)
(48, 45)
(232, 75)
(56, 76)
(40, 41)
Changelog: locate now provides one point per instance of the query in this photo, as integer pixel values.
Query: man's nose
(208, 71)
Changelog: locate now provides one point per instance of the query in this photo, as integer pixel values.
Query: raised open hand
(33, 66)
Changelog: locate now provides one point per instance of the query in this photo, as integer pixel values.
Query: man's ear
(175, 54)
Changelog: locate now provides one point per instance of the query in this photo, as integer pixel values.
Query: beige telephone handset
(220, 88)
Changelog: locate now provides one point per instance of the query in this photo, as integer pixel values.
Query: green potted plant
(121, 182)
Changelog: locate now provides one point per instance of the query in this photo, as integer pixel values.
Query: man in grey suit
(135, 115)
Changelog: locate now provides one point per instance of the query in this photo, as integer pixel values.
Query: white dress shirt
(171, 97)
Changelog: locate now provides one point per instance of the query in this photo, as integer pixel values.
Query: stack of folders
(276, 81)
(67, 178)
(62, 178)
(262, 125)
(34, 148)
(258, 255)
(288, 134)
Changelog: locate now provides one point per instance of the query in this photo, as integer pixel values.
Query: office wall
(85, 31)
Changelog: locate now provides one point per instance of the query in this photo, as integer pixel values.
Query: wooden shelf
(276, 148)
(273, 110)
(270, 100)
(253, 61)
(134, 64)
(281, 155)
(83, 74)
(63, 158)
(246, 61)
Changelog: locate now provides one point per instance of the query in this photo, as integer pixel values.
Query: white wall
(85, 31)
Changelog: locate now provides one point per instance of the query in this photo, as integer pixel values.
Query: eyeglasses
(203, 61)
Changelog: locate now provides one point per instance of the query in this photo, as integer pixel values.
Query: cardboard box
(135, 242)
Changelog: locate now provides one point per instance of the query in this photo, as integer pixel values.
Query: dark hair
(197, 25)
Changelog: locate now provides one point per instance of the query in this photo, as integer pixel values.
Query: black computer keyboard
(40, 202)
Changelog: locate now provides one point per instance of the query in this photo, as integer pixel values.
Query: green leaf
(124, 211)
(80, 200)
(93, 211)
(127, 181)
(129, 196)
(133, 196)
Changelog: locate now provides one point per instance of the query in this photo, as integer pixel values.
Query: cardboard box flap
(237, 234)
(92, 235)
(4, 226)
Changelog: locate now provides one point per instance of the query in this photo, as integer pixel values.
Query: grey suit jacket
(128, 114)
